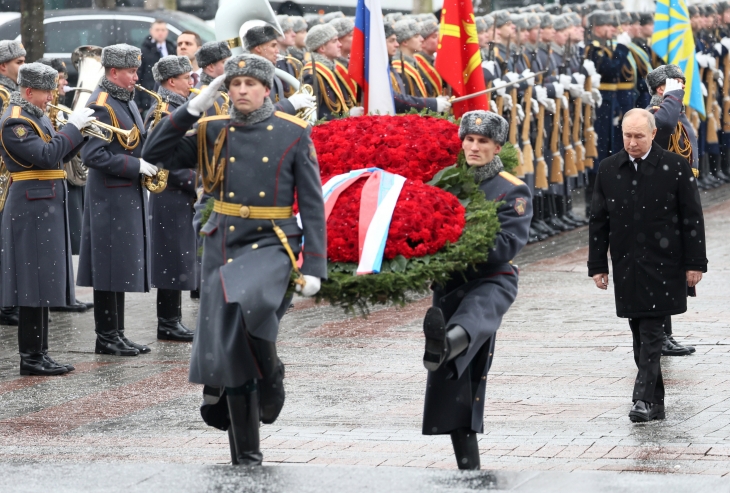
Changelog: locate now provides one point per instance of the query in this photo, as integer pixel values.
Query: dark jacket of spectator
(150, 56)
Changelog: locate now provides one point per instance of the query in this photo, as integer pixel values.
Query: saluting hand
(601, 281)
(693, 278)
(203, 101)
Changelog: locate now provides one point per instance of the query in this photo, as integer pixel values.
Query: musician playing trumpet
(115, 250)
(37, 272)
(172, 237)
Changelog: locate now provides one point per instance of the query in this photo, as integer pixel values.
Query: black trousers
(648, 334)
(668, 326)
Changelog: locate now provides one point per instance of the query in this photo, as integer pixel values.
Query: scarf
(8, 83)
(171, 97)
(297, 53)
(116, 92)
(205, 79)
(256, 116)
(489, 170)
(557, 49)
(26, 105)
(323, 60)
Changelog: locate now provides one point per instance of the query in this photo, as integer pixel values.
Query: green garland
(400, 277)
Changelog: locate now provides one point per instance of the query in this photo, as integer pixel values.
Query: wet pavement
(558, 396)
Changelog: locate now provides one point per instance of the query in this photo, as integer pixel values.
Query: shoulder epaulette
(511, 178)
(214, 117)
(15, 112)
(101, 99)
(291, 118)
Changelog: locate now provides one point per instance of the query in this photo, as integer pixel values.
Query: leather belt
(625, 86)
(607, 87)
(44, 174)
(251, 211)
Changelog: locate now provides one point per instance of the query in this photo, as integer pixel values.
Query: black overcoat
(651, 220)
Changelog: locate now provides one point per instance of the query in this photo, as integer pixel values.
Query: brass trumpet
(307, 114)
(97, 129)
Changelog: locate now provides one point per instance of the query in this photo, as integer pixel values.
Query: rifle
(528, 153)
(570, 155)
(726, 96)
(541, 182)
(589, 135)
(519, 170)
(556, 172)
(710, 107)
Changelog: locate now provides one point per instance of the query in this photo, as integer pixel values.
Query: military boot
(107, 326)
(243, 410)
(169, 321)
(30, 345)
(69, 367)
(9, 316)
(466, 448)
(120, 322)
(442, 344)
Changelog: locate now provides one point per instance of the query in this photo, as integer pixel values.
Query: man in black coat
(154, 47)
(646, 208)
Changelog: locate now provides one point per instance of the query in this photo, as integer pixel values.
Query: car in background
(66, 30)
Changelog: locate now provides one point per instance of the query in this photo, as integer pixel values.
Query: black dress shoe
(39, 365)
(643, 411)
(574, 217)
(67, 366)
(76, 307)
(171, 329)
(671, 349)
(690, 348)
(112, 344)
(139, 347)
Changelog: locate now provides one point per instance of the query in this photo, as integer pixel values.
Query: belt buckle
(244, 211)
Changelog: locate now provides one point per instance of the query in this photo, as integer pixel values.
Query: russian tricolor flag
(369, 59)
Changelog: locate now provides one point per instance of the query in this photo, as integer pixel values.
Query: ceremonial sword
(492, 89)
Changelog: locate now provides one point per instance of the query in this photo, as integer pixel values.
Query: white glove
(564, 101)
(701, 59)
(311, 286)
(726, 43)
(672, 85)
(203, 101)
(442, 104)
(301, 100)
(507, 102)
(550, 106)
(616, 121)
(589, 66)
(500, 85)
(580, 79)
(147, 169)
(575, 90)
(528, 73)
(718, 49)
(489, 65)
(492, 106)
(535, 106)
(559, 89)
(541, 94)
(623, 39)
(520, 114)
(81, 118)
(597, 97)
(565, 80)
(587, 98)
(596, 81)
(511, 76)
(355, 111)
(704, 89)
(711, 62)
(720, 78)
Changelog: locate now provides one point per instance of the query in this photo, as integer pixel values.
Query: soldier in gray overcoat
(251, 240)
(37, 271)
(461, 326)
(173, 242)
(12, 57)
(115, 253)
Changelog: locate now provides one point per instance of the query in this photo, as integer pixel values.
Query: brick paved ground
(557, 396)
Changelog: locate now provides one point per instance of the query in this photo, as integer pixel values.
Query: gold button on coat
(262, 194)
(255, 246)
(244, 211)
(231, 194)
(230, 260)
(270, 127)
(265, 159)
(233, 159)
(231, 228)
(232, 129)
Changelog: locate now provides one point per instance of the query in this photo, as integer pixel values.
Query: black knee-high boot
(9, 315)
(30, 344)
(45, 343)
(271, 385)
(120, 322)
(107, 326)
(243, 409)
(442, 344)
(466, 448)
(169, 322)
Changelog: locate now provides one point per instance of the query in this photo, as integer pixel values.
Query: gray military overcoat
(173, 241)
(114, 252)
(478, 306)
(246, 269)
(36, 246)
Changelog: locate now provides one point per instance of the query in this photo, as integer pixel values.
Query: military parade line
(144, 178)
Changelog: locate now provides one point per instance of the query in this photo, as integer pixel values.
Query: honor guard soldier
(115, 250)
(211, 58)
(12, 57)
(173, 244)
(261, 40)
(675, 134)
(402, 101)
(253, 161)
(75, 181)
(37, 270)
(425, 58)
(332, 98)
(410, 41)
(299, 50)
(461, 326)
(345, 27)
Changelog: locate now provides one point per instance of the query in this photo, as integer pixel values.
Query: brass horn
(97, 129)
